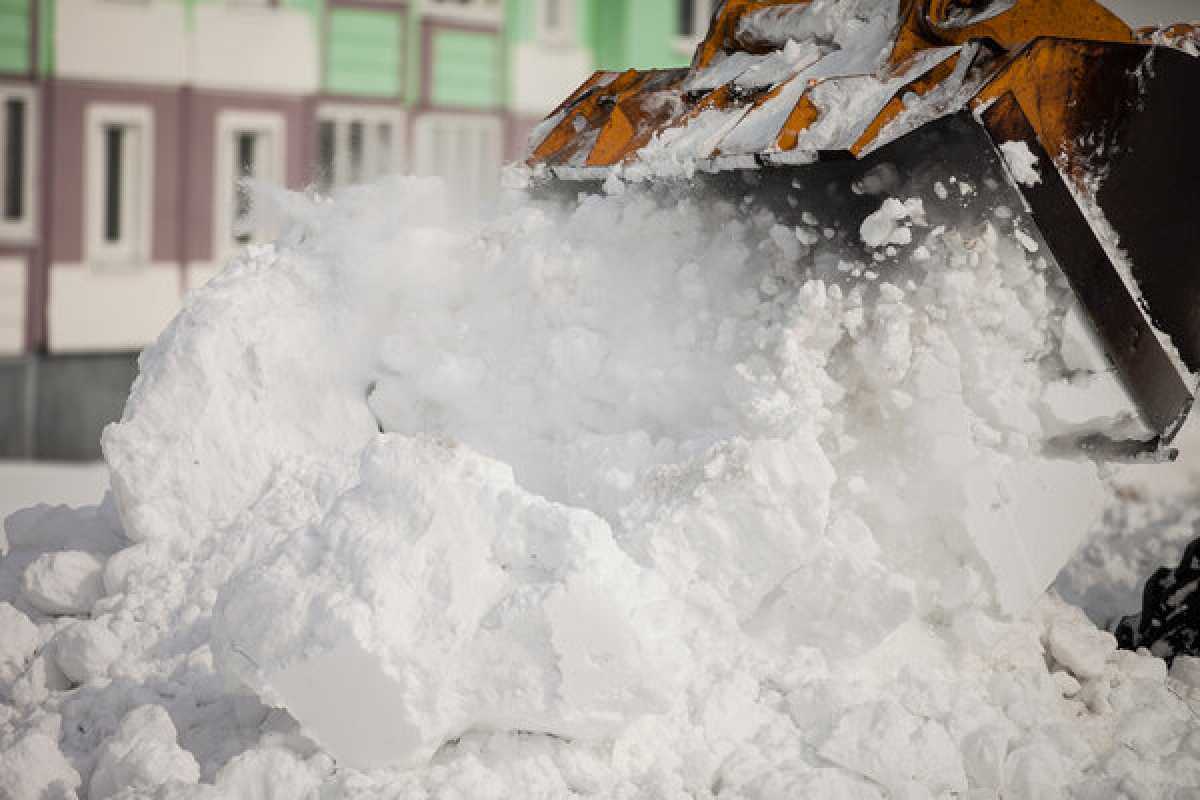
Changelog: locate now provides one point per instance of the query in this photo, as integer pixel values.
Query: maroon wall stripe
(201, 162)
(517, 136)
(182, 190)
(67, 142)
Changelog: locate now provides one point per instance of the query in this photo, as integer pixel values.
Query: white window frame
(23, 229)
(425, 131)
(565, 35)
(342, 115)
(134, 250)
(229, 123)
(687, 43)
(471, 11)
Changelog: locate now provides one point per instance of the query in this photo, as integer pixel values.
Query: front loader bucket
(786, 92)
(1123, 218)
(1114, 207)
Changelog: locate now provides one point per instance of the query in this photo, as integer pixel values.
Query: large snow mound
(608, 498)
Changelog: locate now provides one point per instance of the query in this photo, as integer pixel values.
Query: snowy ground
(27, 483)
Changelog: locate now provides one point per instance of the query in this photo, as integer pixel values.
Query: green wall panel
(652, 40)
(365, 53)
(46, 17)
(467, 70)
(624, 34)
(311, 6)
(412, 48)
(15, 33)
(520, 20)
(607, 23)
(583, 20)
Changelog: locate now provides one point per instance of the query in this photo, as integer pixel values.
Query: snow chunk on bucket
(887, 225)
(437, 597)
(1022, 163)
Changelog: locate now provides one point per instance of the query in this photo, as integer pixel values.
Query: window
(16, 162)
(556, 21)
(248, 167)
(693, 19)
(249, 148)
(357, 143)
(465, 149)
(120, 142)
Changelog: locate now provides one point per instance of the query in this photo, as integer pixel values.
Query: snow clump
(629, 497)
(64, 583)
(18, 642)
(1022, 163)
(141, 755)
(85, 650)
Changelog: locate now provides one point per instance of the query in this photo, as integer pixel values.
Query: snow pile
(458, 601)
(649, 497)
(141, 755)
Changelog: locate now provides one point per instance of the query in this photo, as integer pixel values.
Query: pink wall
(67, 102)
(517, 136)
(202, 109)
(184, 154)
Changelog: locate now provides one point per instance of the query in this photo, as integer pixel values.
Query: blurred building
(126, 126)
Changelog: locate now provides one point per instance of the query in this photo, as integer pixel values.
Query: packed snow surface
(608, 499)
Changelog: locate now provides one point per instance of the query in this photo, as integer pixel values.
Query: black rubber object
(1169, 623)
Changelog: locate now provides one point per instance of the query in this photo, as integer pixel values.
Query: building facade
(20, 108)
(127, 126)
